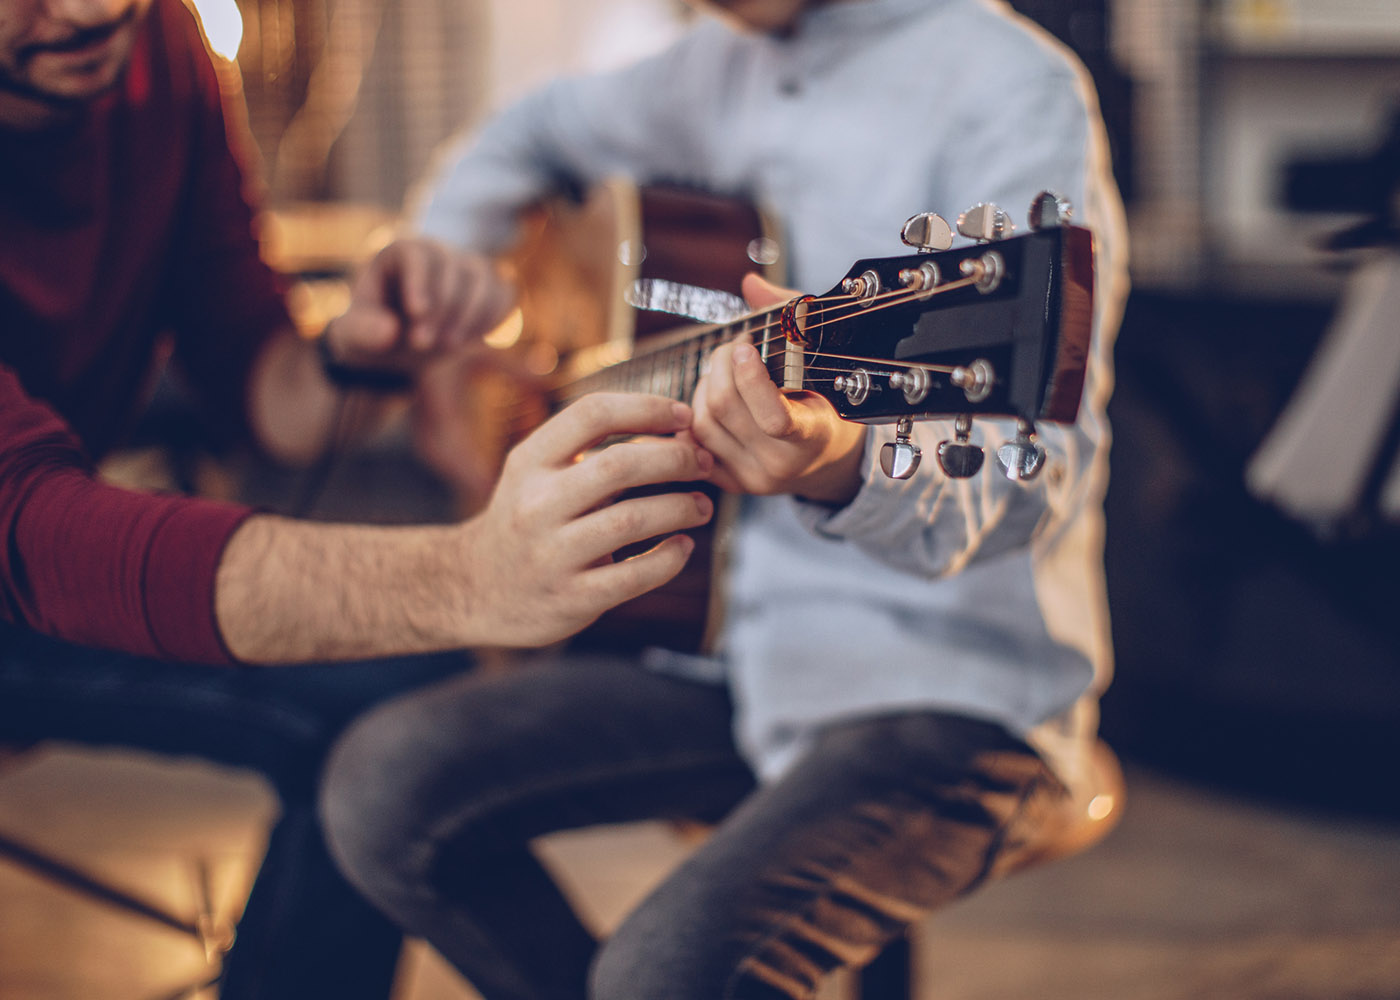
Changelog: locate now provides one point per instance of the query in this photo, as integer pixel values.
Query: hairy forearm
(294, 591)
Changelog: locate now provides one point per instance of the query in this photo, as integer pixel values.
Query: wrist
(839, 478)
(347, 376)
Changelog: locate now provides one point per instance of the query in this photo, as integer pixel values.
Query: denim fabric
(430, 801)
(305, 932)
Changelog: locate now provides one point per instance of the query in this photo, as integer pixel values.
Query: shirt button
(790, 87)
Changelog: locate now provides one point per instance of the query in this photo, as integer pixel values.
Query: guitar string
(813, 377)
(892, 298)
(882, 301)
(691, 345)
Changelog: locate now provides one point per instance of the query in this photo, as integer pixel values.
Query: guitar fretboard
(672, 367)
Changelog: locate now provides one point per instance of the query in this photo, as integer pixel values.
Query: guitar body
(579, 264)
(600, 277)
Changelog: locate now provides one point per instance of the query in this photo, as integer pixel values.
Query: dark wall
(1085, 26)
(1250, 651)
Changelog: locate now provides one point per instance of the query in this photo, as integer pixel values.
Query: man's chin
(50, 103)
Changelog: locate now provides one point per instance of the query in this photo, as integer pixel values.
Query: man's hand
(534, 567)
(766, 441)
(541, 552)
(416, 300)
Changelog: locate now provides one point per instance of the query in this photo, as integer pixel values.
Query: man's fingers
(466, 298)
(484, 298)
(598, 535)
(469, 299)
(725, 422)
(362, 331)
(415, 271)
(713, 436)
(605, 473)
(436, 297)
(739, 395)
(423, 283)
(429, 286)
(718, 405)
(598, 416)
(759, 292)
(612, 583)
(761, 397)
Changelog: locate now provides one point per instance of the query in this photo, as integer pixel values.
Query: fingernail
(705, 460)
(704, 505)
(745, 354)
(681, 412)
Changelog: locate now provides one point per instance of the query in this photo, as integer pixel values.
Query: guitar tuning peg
(927, 232)
(900, 458)
(1022, 458)
(985, 222)
(1049, 211)
(957, 458)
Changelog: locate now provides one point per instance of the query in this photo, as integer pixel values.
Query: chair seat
(214, 935)
(1080, 821)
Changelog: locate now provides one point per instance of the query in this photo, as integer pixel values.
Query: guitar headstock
(1000, 327)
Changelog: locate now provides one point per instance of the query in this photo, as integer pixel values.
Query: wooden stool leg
(890, 975)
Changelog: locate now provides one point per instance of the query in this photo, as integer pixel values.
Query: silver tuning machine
(959, 459)
(927, 232)
(985, 223)
(923, 279)
(985, 271)
(1022, 458)
(975, 379)
(900, 458)
(863, 288)
(856, 384)
(1049, 211)
(914, 383)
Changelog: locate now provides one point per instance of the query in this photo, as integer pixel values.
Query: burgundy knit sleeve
(96, 564)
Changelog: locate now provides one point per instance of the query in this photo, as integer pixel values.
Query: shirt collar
(864, 15)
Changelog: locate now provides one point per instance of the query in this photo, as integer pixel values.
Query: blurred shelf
(324, 239)
(1307, 28)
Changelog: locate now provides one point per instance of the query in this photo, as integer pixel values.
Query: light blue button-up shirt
(980, 596)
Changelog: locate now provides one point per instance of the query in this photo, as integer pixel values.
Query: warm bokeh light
(223, 25)
(508, 333)
(1101, 806)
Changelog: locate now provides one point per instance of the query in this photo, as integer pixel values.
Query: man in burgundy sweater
(126, 618)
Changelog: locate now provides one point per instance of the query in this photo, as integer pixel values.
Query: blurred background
(1257, 696)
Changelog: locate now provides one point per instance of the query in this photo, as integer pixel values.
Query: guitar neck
(991, 330)
(671, 365)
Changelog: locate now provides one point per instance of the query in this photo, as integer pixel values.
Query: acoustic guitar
(631, 289)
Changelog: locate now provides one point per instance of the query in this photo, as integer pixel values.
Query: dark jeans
(430, 802)
(305, 932)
